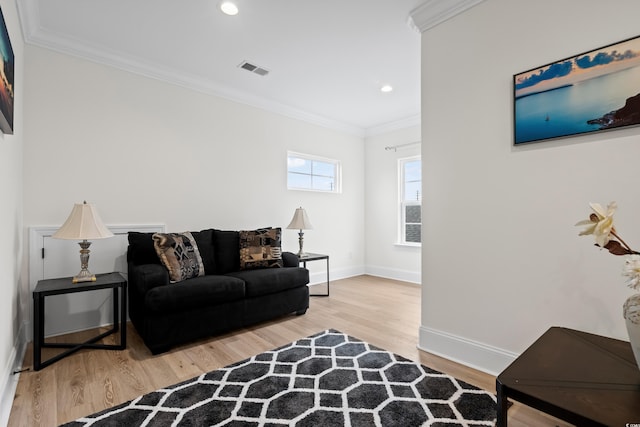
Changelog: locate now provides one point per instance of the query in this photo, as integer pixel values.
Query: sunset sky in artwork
(580, 67)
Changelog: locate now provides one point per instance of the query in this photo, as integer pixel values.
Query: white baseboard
(9, 380)
(395, 274)
(476, 355)
(320, 277)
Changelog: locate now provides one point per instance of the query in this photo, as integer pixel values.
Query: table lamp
(83, 223)
(300, 221)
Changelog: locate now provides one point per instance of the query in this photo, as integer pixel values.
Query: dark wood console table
(581, 378)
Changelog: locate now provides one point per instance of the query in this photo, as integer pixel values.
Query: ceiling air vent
(254, 68)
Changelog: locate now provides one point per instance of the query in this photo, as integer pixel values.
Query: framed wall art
(6, 79)
(594, 91)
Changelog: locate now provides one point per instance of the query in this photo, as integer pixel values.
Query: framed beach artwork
(6, 79)
(591, 92)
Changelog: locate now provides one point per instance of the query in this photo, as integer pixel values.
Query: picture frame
(7, 79)
(591, 92)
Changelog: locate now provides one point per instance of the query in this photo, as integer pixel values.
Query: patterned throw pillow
(260, 248)
(179, 254)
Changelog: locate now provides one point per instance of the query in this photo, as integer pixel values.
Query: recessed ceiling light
(386, 89)
(229, 8)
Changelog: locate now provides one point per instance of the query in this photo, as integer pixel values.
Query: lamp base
(301, 252)
(84, 275)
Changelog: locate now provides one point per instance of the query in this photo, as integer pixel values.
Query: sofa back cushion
(141, 250)
(204, 240)
(226, 247)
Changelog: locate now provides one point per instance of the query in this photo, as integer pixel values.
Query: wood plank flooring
(383, 312)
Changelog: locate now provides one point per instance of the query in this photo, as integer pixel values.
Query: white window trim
(402, 203)
(338, 177)
(408, 245)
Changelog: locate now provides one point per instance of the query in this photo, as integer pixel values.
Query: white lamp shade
(83, 223)
(300, 220)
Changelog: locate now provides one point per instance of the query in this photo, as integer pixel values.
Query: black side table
(581, 378)
(61, 286)
(315, 257)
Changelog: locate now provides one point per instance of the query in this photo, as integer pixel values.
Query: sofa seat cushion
(265, 281)
(196, 292)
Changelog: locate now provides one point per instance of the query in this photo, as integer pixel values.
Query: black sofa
(222, 298)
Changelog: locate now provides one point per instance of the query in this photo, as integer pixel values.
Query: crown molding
(434, 12)
(29, 16)
(36, 35)
(400, 124)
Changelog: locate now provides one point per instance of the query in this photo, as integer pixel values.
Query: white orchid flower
(600, 223)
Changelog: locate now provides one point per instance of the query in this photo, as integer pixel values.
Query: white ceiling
(327, 58)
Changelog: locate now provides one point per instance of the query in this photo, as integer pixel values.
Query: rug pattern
(328, 379)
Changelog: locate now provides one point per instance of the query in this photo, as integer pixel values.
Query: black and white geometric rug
(328, 379)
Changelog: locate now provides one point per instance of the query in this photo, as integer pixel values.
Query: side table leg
(328, 276)
(123, 319)
(116, 312)
(38, 330)
(502, 406)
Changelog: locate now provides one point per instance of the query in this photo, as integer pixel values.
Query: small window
(410, 171)
(305, 172)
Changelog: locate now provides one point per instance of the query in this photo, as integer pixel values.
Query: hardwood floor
(383, 312)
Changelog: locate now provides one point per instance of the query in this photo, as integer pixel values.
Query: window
(305, 172)
(410, 200)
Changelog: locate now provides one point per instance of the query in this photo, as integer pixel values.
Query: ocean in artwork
(566, 110)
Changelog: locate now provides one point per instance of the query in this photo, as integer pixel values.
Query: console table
(584, 379)
(316, 257)
(49, 287)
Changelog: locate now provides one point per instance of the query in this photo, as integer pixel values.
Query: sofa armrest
(145, 277)
(289, 259)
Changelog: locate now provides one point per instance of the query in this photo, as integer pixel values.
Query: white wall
(145, 151)
(384, 256)
(11, 321)
(502, 260)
